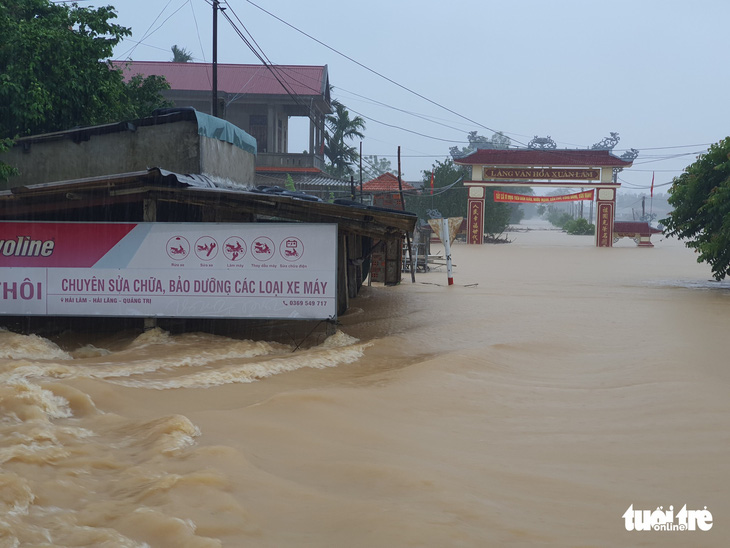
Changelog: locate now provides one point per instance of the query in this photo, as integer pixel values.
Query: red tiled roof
(385, 182)
(544, 158)
(248, 79)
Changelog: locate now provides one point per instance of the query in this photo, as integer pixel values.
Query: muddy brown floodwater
(530, 404)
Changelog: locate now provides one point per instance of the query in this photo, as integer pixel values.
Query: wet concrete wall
(85, 153)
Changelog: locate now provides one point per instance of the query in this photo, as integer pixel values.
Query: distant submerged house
(385, 190)
(260, 100)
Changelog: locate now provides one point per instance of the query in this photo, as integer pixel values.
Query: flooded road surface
(530, 404)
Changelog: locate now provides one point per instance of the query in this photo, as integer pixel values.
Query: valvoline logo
(40, 244)
(24, 246)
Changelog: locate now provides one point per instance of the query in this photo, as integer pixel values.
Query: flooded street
(530, 404)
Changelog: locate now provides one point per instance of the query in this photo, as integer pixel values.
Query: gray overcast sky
(652, 70)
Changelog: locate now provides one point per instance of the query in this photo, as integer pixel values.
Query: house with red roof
(260, 100)
(385, 190)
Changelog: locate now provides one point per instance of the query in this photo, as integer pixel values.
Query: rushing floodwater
(530, 404)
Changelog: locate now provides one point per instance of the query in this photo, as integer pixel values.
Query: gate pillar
(605, 212)
(475, 215)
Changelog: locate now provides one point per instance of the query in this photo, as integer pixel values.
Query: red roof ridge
(538, 157)
(386, 181)
(206, 64)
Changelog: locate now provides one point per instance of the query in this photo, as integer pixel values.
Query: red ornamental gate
(585, 168)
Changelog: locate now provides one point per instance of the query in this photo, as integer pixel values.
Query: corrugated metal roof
(316, 178)
(91, 195)
(244, 79)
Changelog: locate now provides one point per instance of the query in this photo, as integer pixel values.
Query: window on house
(257, 128)
(280, 138)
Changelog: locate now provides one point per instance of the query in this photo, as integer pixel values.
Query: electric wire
(562, 153)
(258, 52)
(358, 63)
(197, 29)
(273, 68)
(264, 59)
(147, 32)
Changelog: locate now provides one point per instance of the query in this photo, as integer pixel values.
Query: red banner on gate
(475, 221)
(500, 196)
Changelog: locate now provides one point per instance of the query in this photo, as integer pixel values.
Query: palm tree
(339, 128)
(180, 55)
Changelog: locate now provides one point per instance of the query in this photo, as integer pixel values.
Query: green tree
(579, 226)
(340, 128)
(476, 141)
(373, 167)
(289, 185)
(5, 170)
(500, 140)
(180, 55)
(449, 193)
(557, 216)
(450, 198)
(701, 200)
(55, 72)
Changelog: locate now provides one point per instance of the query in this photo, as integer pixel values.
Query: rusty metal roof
(106, 198)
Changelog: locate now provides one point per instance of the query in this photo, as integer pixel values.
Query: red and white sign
(191, 270)
(475, 221)
(500, 196)
(604, 224)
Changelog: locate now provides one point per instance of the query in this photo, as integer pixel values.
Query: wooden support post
(351, 267)
(393, 260)
(343, 294)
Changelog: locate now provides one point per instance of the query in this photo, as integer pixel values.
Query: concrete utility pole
(214, 109)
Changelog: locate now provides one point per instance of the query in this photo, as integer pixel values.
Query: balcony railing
(286, 161)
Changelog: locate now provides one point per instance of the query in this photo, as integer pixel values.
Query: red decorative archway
(525, 167)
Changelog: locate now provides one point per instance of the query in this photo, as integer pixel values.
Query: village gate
(541, 165)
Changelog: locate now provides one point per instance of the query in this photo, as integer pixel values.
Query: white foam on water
(14, 346)
(338, 349)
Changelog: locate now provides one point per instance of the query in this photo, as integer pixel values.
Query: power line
(358, 63)
(258, 51)
(404, 129)
(373, 71)
(197, 30)
(421, 116)
(147, 34)
(261, 55)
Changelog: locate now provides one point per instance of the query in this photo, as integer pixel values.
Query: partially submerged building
(182, 166)
(263, 101)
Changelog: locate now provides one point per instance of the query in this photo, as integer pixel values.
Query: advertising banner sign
(525, 199)
(186, 270)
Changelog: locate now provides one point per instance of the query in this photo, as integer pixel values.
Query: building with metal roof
(258, 99)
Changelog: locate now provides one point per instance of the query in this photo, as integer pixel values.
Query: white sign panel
(191, 270)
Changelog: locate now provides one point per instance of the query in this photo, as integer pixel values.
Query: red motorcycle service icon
(178, 248)
(262, 248)
(291, 249)
(206, 248)
(234, 248)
